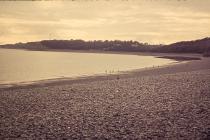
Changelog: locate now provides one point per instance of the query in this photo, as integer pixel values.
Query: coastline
(149, 71)
(87, 78)
(155, 54)
(180, 58)
(168, 102)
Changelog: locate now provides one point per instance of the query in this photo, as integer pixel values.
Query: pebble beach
(170, 102)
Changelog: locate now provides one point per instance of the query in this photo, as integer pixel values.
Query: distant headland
(194, 46)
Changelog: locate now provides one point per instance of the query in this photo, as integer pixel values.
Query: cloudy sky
(152, 21)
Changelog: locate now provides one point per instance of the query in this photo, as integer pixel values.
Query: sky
(151, 21)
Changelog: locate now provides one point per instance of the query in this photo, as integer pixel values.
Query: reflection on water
(22, 66)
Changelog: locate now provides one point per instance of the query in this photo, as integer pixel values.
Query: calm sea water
(23, 66)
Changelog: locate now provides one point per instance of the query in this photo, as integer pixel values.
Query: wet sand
(171, 102)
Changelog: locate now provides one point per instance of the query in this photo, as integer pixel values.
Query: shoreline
(81, 79)
(161, 103)
(173, 56)
(180, 58)
(167, 102)
(149, 71)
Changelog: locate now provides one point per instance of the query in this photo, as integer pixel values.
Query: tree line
(196, 46)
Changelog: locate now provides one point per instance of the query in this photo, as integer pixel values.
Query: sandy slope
(161, 103)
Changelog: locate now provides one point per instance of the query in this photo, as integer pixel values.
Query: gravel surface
(164, 106)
